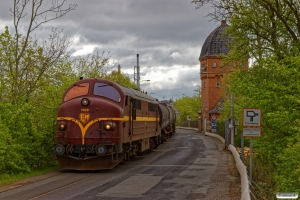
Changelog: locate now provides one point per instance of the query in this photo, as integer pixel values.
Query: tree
(268, 32)
(93, 65)
(259, 28)
(189, 105)
(30, 61)
(33, 76)
(121, 78)
(271, 85)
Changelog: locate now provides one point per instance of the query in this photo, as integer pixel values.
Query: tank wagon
(101, 124)
(167, 122)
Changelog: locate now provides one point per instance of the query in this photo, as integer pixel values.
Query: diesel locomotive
(101, 124)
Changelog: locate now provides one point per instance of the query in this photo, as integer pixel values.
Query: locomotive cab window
(76, 91)
(105, 90)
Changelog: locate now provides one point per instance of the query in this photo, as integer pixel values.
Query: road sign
(252, 132)
(252, 117)
(251, 128)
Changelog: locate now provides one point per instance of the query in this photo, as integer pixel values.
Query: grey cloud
(154, 29)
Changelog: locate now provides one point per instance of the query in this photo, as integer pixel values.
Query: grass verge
(6, 179)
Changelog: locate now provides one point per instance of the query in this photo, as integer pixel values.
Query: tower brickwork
(211, 72)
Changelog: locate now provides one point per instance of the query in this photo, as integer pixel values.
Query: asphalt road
(187, 166)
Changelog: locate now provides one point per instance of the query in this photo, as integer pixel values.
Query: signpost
(251, 128)
(251, 132)
(188, 118)
(252, 117)
(213, 124)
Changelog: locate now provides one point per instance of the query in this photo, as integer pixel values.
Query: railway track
(187, 166)
(37, 187)
(60, 187)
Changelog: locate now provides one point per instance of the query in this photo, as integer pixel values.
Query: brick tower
(211, 72)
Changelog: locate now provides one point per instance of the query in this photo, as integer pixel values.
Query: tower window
(218, 84)
(214, 64)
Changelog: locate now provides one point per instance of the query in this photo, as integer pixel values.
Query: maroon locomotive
(101, 123)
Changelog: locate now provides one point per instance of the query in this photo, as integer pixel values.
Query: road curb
(245, 191)
(187, 128)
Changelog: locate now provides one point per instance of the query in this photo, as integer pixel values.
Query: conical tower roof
(216, 44)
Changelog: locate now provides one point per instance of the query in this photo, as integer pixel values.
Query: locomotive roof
(128, 91)
(137, 94)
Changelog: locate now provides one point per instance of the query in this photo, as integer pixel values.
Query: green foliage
(188, 106)
(273, 86)
(121, 78)
(27, 139)
(92, 65)
(30, 93)
(259, 28)
(288, 166)
(265, 31)
(23, 76)
(221, 127)
(6, 58)
(6, 179)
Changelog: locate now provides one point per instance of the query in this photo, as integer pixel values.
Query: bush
(277, 151)
(27, 139)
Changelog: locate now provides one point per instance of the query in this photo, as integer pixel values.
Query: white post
(232, 121)
(251, 159)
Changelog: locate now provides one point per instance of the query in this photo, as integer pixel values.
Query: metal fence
(192, 124)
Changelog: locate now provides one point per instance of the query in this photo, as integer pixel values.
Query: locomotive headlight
(59, 149)
(109, 126)
(85, 102)
(62, 126)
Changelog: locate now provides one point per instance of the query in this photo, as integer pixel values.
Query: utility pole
(137, 72)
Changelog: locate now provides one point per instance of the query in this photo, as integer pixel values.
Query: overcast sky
(167, 35)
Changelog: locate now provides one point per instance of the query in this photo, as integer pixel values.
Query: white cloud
(76, 39)
(175, 55)
(2, 26)
(84, 50)
(81, 46)
(171, 81)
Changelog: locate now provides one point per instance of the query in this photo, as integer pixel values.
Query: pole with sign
(251, 128)
(188, 118)
(214, 124)
(252, 122)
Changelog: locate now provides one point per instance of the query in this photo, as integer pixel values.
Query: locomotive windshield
(76, 91)
(102, 89)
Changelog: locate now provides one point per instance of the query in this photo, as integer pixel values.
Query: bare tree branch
(37, 18)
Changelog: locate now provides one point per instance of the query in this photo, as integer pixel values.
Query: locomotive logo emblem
(84, 117)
